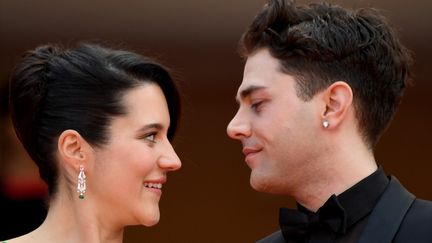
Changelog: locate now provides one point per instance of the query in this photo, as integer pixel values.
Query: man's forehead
(251, 80)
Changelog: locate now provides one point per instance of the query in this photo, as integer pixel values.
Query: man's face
(277, 129)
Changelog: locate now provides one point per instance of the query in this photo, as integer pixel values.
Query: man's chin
(265, 185)
(260, 184)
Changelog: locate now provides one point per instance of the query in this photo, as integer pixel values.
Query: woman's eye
(151, 137)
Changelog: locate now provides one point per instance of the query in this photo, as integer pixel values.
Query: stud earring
(326, 124)
(81, 187)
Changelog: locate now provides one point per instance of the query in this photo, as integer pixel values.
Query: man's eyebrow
(156, 126)
(248, 91)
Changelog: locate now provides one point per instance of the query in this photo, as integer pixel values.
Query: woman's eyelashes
(150, 137)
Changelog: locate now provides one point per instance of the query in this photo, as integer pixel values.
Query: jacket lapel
(386, 217)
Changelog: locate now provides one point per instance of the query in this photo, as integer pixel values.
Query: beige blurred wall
(210, 199)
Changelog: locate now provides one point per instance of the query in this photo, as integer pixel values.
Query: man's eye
(256, 106)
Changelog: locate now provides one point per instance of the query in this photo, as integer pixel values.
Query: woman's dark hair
(54, 89)
(321, 43)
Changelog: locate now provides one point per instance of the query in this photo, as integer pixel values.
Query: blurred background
(209, 199)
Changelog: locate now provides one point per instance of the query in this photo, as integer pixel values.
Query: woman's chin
(151, 219)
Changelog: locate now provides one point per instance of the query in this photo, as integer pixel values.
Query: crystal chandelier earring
(81, 187)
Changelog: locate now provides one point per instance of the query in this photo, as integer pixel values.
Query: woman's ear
(73, 149)
(338, 98)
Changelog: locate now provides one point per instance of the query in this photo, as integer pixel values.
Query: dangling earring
(326, 124)
(81, 187)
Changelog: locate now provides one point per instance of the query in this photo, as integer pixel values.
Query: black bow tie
(297, 225)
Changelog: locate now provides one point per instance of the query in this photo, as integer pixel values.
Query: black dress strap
(386, 217)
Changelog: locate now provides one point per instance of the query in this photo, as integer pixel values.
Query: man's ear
(73, 149)
(338, 99)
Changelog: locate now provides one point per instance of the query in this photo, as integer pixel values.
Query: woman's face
(129, 173)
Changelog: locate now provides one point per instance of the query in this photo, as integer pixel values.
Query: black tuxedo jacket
(398, 217)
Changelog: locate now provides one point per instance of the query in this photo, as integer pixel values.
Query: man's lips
(249, 152)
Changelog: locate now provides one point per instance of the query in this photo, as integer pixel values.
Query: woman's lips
(155, 185)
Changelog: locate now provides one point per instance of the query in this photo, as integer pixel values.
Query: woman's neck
(73, 220)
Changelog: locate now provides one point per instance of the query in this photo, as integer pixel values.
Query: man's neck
(342, 170)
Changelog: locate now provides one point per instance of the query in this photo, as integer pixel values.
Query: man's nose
(238, 128)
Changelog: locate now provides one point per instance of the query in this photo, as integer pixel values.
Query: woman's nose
(169, 160)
